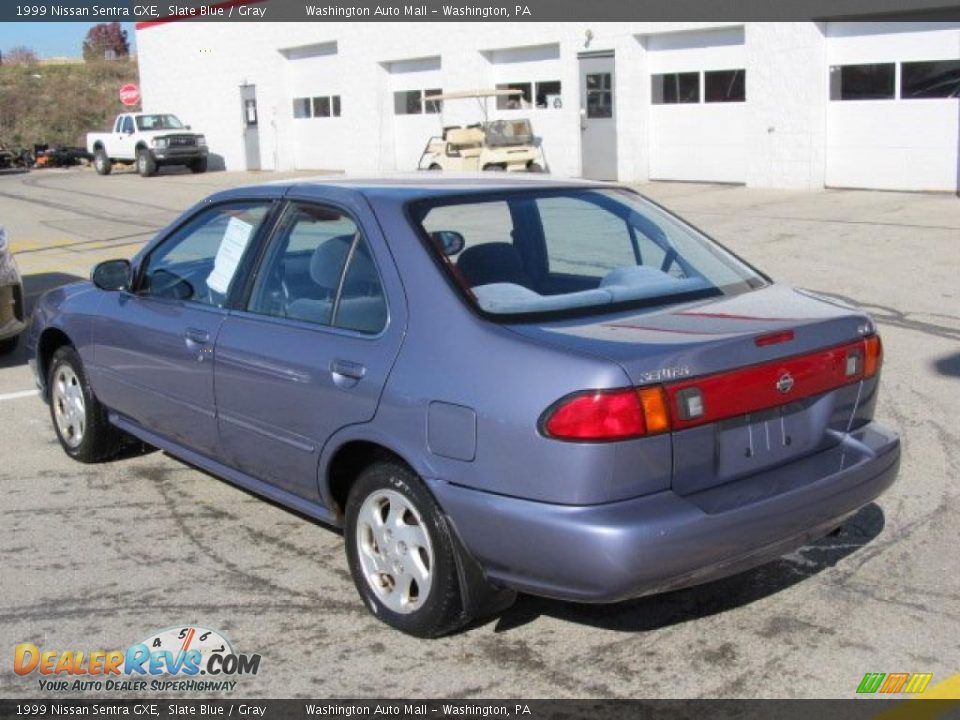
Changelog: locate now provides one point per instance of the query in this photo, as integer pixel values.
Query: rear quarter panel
(453, 357)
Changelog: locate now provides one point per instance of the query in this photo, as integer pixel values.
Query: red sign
(129, 94)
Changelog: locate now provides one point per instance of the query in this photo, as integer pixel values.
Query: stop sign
(129, 94)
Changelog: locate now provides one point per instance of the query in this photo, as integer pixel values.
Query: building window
(321, 107)
(301, 107)
(411, 102)
(548, 95)
(432, 106)
(724, 86)
(675, 88)
(930, 79)
(862, 82)
(520, 101)
(599, 95)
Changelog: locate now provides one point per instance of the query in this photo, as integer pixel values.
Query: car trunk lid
(769, 368)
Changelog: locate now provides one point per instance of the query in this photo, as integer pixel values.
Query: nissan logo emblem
(785, 383)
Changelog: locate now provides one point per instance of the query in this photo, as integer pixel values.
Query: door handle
(193, 335)
(347, 369)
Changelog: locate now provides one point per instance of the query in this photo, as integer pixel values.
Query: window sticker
(235, 241)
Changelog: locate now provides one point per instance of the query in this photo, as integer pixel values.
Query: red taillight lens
(597, 416)
(874, 356)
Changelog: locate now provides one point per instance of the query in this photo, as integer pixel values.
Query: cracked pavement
(97, 557)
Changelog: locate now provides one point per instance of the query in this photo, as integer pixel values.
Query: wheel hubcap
(69, 408)
(395, 551)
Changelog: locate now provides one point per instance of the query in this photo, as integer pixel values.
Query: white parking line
(17, 395)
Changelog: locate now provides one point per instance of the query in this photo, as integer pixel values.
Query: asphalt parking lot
(98, 557)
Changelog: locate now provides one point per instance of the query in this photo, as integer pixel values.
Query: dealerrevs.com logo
(189, 658)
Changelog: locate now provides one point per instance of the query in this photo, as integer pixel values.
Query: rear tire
(198, 166)
(435, 167)
(402, 554)
(146, 163)
(79, 419)
(533, 167)
(101, 162)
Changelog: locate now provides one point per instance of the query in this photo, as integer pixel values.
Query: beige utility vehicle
(487, 145)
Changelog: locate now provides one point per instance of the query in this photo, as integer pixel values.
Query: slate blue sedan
(492, 385)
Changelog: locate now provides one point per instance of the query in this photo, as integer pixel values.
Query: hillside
(59, 104)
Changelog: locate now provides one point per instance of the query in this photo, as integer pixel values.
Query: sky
(52, 39)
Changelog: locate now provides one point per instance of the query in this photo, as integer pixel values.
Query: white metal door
(598, 123)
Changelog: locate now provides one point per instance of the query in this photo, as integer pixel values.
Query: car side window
(199, 262)
(319, 269)
(128, 124)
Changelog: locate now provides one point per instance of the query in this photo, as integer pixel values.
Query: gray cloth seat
(362, 306)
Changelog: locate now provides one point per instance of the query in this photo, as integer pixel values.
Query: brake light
(599, 415)
(608, 415)
(874, 356)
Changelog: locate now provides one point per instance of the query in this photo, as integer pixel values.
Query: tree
(19, 56)
(106, 40)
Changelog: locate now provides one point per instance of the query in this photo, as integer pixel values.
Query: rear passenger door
(310, 350)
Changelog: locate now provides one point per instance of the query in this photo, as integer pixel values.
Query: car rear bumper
(612, 552)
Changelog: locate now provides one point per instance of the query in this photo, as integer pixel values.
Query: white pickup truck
(149, 141)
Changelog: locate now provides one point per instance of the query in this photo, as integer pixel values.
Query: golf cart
(488, 145)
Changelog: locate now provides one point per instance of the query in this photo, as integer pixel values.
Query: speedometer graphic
(188, 638)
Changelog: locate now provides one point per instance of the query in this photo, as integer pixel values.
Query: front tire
(198, 166)
(146, 163)
(101, 162)
(79, 419)
(401, 553)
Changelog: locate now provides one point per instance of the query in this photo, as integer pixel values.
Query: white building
(783, 105)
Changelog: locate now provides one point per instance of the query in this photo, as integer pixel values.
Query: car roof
(416, 185)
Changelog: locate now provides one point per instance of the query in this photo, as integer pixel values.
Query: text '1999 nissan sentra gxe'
(491, 384)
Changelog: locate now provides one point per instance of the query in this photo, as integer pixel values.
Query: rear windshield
(525, 254)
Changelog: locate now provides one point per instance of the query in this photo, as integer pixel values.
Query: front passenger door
(154, 345)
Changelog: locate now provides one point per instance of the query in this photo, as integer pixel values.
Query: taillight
(608, 415)
(874, 356)
(599, 415)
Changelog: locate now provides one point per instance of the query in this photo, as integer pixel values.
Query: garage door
(892, 117)
(698, 106)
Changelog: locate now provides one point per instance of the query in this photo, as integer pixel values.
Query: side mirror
(450, 241)
(112, 275)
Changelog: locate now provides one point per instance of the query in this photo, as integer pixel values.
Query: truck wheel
(198, 166)
(101, 162)
(146, 163)
(435, 167)
(494, 167)
(533, 167)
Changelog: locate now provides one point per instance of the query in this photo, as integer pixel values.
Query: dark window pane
(301, 107)
(407, 102)
(673, 88)
(933, 79)
(321, 107)
(599, 95)
(433, 106)
(548, 94)
(862, 82)
(515, 102)
(361, 305)
(336, 106)
(724, 86)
